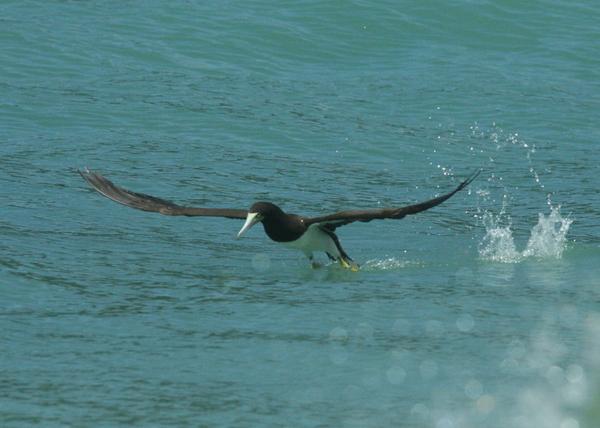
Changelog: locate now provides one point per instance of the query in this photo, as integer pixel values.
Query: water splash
(498, 244)
(390, 263)
(548, 238)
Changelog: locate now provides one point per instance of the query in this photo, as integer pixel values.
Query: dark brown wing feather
(342, 218)
(144, 202)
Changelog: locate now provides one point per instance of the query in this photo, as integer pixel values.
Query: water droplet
(569, 423)
(445, 422)
(486, 403)
(428, 369)
(364, 331)
(465, 323)
(420, 410)
(338, 355)
(574, 373)
(569, 315)
(338, 334)
(555, 376)
(395, 375)
(473, 389)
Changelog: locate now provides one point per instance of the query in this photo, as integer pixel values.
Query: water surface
(481, 312)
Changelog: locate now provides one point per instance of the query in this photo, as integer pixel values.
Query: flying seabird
(308, 234)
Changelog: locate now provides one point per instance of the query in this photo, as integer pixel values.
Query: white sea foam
(548, 238)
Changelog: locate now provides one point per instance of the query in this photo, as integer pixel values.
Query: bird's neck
(284, 227)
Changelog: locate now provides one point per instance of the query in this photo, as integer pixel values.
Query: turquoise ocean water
(483, 312)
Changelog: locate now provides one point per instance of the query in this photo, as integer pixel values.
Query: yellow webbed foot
(349, 264)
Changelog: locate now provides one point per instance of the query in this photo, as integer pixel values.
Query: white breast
(314, 239)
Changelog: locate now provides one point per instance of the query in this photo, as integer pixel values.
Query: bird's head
(258, 212)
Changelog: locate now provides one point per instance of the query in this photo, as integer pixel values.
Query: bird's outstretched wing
(144, 202)
(342, 218)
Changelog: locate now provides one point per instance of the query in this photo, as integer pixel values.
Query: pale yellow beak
(251, 220)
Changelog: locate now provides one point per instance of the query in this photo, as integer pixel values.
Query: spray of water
(548, 238)
(391, 263)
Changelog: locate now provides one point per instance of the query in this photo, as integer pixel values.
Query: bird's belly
(314, 239)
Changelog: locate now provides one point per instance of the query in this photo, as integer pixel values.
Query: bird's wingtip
(476, 173)
(469, 179)
(85, 173)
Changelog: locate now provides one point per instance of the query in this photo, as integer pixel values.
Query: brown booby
(308, 234)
